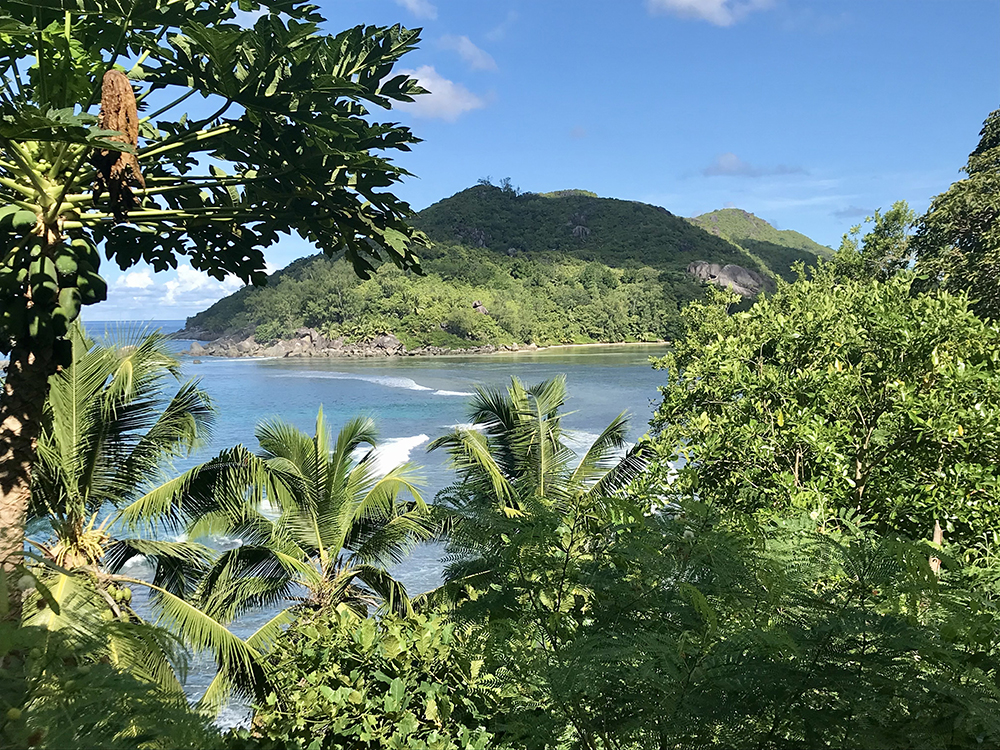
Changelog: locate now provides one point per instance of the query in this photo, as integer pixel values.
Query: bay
(413, 400)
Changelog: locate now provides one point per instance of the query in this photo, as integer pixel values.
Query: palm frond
(143, 361)
(177, 566)
(250, 577)
(603, 451)
(623, 473)
(389, 590)
(221, 687)
(549, 396)
(279, 439)
(149, 652)
(471, 455)
(179, 428)
(242, 663)
(219, 485)
(355, 433)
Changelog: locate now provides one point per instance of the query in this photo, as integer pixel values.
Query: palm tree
(111, 428)
(517, 474)
(317, 523)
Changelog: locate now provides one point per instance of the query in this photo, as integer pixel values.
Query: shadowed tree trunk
(21, 406)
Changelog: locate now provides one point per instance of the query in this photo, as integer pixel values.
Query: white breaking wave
(269, 511)
(391, 453)
(139, 567)
(579, 442)
(389, 381)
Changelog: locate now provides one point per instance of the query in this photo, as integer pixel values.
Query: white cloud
(852, 212)
(193, 287)
(136, 280)
(477, 58)
(447, 100)
(730, 165)
(142, 295)
(419, 8)
(718, 12)
(499, 31)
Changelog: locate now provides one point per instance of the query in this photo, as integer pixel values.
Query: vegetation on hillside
(545, 298)
(563, 267)
(615, 232)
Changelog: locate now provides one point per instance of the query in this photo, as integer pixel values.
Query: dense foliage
(620, 618)
(881, 252)
(835, 394)
(347, 682)
(563, 267)
(58, 692)
(957, 243)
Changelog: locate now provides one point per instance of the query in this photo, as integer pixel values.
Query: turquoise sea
(413, 401)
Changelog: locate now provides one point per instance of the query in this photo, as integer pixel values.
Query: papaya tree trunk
(21, 407)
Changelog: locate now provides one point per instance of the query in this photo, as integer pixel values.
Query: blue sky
(808, 113)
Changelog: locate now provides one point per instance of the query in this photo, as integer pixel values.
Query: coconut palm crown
(516, 469)
(315, 519)
(114, 420)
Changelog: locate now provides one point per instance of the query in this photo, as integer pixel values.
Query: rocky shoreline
(308, 342)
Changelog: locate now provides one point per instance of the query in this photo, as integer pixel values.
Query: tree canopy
(957, 242)
(837, 394)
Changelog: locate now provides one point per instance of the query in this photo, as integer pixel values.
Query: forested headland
(504, 267)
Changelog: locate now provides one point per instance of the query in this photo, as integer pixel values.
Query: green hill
(502, 268)
(779, 249)
(608, 230)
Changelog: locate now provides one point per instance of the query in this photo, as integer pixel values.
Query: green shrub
(341, 681)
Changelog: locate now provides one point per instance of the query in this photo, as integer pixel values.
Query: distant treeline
(544, 298)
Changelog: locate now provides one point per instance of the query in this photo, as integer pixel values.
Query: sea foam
(389, 381)
(391, 453)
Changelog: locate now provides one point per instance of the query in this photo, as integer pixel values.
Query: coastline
(311, 344)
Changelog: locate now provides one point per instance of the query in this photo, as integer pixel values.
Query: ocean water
(413, 400)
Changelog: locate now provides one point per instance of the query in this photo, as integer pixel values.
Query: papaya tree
(163, 130)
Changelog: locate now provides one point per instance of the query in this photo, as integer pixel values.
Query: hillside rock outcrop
(743, 281)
